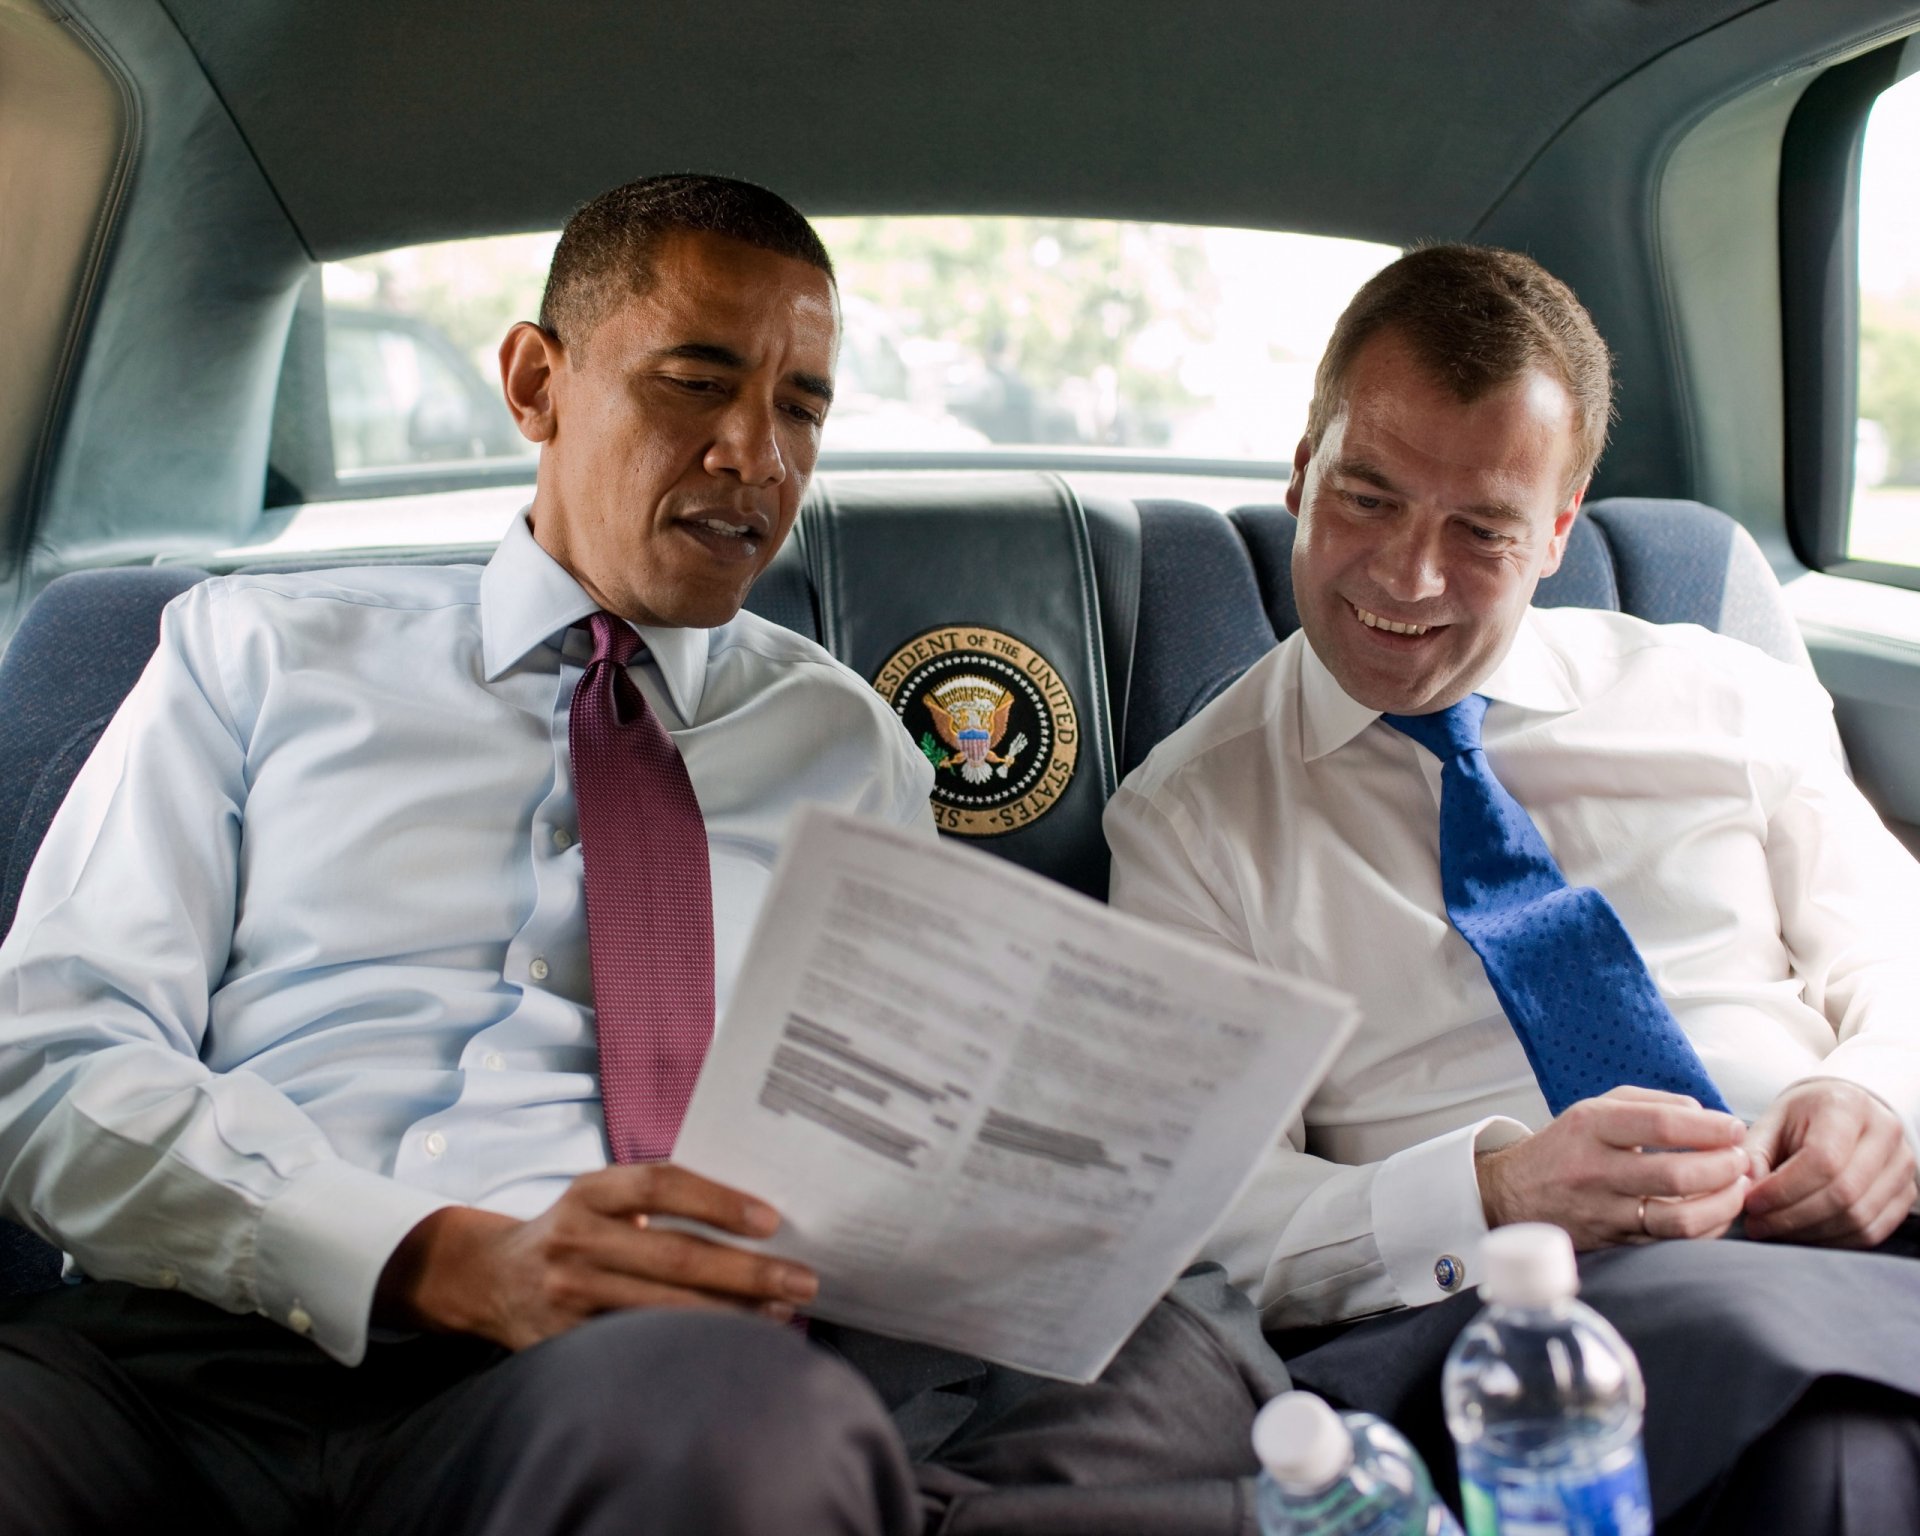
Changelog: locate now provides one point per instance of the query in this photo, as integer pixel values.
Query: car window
(1885, 522)
(961, 336)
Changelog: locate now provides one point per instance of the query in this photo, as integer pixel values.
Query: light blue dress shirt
(303, 957)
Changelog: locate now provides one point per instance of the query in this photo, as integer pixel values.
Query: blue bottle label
(1500, 1502)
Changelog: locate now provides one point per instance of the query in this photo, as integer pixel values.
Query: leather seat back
(996, 614)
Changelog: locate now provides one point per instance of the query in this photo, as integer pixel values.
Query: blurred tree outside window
(1885, 522)
(959, 333)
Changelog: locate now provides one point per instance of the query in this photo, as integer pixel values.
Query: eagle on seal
(971, 714)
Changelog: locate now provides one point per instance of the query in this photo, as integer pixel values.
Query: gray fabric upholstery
(1268, 534)
(1587, 577)
(1680, 562)
(1200, 625)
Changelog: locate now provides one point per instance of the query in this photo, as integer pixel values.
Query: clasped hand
(1828, 1163)
(1589, 1171)
(1832, 1165)
(595, 1250)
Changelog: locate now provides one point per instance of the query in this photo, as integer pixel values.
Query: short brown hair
(1476, 318)
(606, 251)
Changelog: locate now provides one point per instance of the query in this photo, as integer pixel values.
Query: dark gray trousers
(121, 1408)
(1783, 1383)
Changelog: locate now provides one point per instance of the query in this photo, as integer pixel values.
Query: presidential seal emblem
(994, 718)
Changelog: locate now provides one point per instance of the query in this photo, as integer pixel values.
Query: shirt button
(495, 1062)
(167, 1279)
(300, 1320)
(435, 1143)
(538, 970)
(562, 839)
(1449, 1273)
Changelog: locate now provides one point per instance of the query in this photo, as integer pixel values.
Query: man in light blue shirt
(298, 1015)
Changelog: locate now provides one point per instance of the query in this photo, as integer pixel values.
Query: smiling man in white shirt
(1695, 782)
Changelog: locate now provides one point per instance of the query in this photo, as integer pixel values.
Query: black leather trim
(1113, 531)
(894, 557)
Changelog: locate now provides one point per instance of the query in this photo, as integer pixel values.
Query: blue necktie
(1563, 966)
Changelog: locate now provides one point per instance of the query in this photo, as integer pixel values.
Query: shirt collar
(1530, 676)
(527, 598)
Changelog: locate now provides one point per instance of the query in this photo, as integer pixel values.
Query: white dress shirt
(1692, 779)
(303, 957)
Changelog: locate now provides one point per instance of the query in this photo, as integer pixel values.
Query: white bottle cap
(1529, 1264)
(1301, 1442)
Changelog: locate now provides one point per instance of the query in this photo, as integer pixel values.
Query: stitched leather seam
(1093, 647)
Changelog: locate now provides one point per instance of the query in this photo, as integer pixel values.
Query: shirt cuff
(1427, 1217)
(324, 1239)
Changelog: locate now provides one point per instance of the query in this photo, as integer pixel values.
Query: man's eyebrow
(1360, 469)
(1491, 511)
(812, 384)
(1497, 512)
(725, 357)
(702, 352)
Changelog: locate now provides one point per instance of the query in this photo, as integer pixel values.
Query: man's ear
(1297, 486)
(529, 357)
(1562, 531)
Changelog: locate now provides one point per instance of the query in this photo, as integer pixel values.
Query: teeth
(1374, 621)
(736, 529)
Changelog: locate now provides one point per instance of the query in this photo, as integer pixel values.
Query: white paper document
(995, 1115)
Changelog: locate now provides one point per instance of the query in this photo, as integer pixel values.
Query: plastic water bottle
(1341, 1474)
(1544, 1399)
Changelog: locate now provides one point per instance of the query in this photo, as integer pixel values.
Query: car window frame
(1819, 244)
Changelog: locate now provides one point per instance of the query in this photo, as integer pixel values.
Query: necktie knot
(613, 639)
(1446, 733)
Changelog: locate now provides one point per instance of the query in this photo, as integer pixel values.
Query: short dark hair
(1476, 318)
(606, 251)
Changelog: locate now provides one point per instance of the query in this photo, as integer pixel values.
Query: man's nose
(1407, 564)
(747, 445)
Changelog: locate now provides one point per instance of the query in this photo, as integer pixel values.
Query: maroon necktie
(649, 901)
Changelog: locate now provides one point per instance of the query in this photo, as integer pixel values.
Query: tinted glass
(1886, 475)
(962, 335)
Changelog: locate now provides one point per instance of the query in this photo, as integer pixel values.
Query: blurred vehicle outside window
(961, 335)
(401, 393)
(411, 337)
(1885, 518)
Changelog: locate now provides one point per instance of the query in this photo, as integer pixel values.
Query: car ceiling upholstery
(434, 118)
